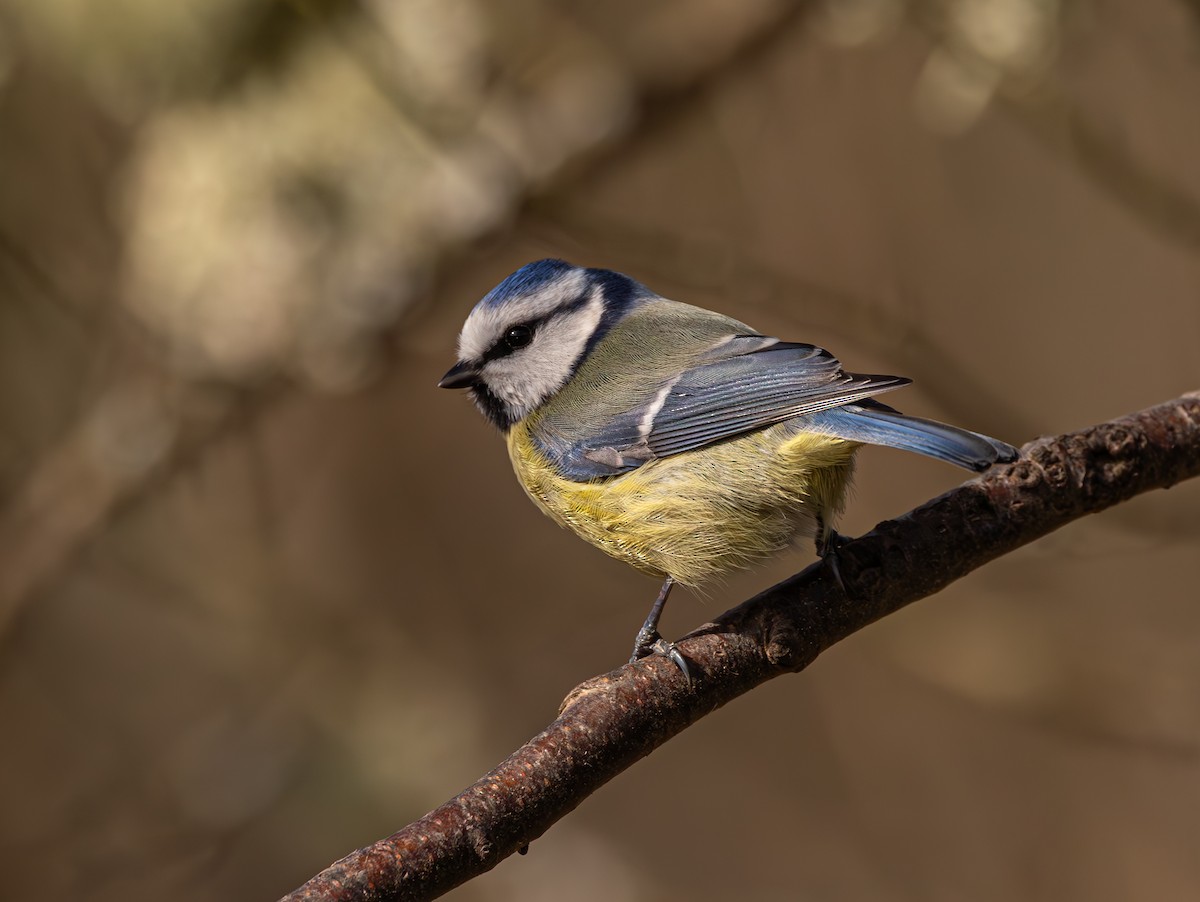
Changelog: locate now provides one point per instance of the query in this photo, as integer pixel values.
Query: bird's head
(526, 338)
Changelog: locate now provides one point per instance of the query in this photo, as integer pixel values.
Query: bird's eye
(518, 337)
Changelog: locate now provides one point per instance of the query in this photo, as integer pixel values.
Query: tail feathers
(880, 425)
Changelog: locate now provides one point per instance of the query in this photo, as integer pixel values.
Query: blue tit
(674, 438)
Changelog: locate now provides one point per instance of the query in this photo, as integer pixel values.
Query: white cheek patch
(486, 324)
(525, 379)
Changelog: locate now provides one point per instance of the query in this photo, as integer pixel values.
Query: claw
(829, 541)
(654, 644)
(830, 557)
(671, 650)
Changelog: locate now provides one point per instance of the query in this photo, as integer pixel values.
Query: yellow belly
(698, 515)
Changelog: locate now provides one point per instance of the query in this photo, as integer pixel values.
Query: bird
(674, 438)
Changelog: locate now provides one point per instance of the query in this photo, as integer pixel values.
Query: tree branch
(611, 721)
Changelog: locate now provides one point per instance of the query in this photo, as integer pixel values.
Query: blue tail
(877, 424)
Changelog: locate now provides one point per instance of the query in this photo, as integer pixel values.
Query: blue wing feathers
(769, 384)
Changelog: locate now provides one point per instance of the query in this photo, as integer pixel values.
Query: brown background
(266, 594)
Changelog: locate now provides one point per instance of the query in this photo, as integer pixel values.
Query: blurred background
(267, 595)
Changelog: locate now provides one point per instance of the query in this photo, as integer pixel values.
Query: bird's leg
(649, 642)
(648, 635)
(828, 541)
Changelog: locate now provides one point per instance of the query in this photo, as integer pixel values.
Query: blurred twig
(612, 721)
(1060, 121)
(92, 473)
(24, 263)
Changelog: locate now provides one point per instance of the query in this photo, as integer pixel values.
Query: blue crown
(528, 279)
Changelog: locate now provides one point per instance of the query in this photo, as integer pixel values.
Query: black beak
(461, 375)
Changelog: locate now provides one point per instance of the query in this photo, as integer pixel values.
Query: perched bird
(674, 438)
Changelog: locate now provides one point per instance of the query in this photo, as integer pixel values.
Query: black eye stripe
(503, 346)
(513, 339)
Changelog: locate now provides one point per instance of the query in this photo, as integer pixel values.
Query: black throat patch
(491, 407)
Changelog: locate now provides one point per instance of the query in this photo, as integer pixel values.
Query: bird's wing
(740, 394)
(745, 383)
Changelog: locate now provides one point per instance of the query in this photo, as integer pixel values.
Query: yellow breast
(701, 514)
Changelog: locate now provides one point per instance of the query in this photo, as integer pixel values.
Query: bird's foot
(827, 548)
(649, 642)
